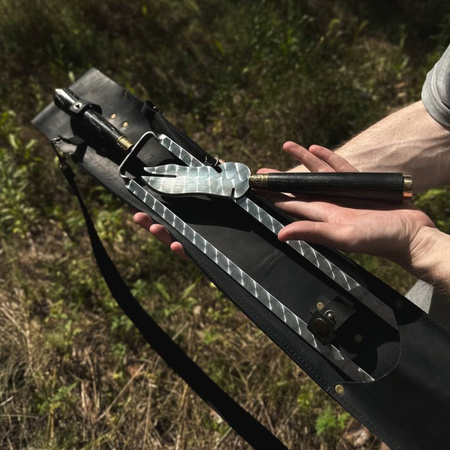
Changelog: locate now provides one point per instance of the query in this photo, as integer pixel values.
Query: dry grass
(69, 381)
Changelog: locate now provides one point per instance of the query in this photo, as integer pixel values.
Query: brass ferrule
(259, 181)
(407, 187)
(124, 143)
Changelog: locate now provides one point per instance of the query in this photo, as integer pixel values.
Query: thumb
(267, 170)
(328, 234)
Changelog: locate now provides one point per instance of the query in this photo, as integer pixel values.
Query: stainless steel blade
(172, 179)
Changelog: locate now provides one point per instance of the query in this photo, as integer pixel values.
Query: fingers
(178, 249)
(160, 233)
(318, 158)
(306, 206)
(328, 234)
(308, 159)
(336, 162)
(267, 170)
(143, 220)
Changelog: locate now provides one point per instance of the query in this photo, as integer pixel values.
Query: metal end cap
(407, 187)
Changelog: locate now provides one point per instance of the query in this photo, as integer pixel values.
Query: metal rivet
(125, 124)
(339, 389)
(358, 338)
(113, 116)
(320, 306)
(77, 105)
(320, 326)
(330, 315)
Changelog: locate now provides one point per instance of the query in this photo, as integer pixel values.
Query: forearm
(429, 258)
(408, 141)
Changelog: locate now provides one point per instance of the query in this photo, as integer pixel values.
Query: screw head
(339, 389)
(330, 316)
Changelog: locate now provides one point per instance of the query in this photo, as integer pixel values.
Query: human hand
(375, 228)
(160, 233)
(317, 159)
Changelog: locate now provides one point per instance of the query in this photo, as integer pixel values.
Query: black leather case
(407, 405)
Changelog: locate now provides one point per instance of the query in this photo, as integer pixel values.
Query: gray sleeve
(436, 90)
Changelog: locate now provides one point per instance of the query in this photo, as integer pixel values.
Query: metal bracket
(134, 150)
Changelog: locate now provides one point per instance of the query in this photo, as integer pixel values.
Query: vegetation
(240, 77)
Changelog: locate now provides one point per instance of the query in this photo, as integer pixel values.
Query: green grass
(240, 77)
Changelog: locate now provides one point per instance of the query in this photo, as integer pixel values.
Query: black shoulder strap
(240, 420)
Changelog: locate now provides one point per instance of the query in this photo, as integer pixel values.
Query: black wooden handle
(392, 187)
(90, 116)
